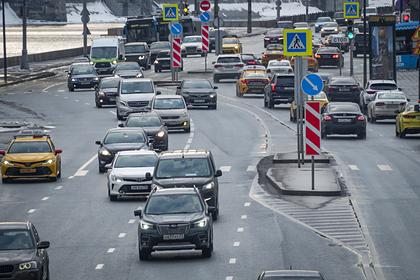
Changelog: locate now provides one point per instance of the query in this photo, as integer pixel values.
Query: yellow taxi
(273, 52)
(31, 154)
(321, 97)
(231, 45)
(312, 63)
(408, 121)
(252, 81)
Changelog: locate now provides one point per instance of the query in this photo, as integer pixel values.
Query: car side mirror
(97, 142)
(108, 166)
(417, 108)
(2, 152)
(58, 151)
(158, 92)
(121, 125)
(214, 62)
(137, 212)
(148, 176)
(218, 173)
(215, 87)
(43, 245)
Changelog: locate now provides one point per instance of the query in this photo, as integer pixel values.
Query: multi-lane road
(93, 238)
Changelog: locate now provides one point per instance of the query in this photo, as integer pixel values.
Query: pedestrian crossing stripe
(351, 9)
(170, 12)
(297, 42)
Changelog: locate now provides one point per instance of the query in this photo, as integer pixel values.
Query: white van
(105, 53)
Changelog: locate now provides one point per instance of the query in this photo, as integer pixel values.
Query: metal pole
(85, 31)
(249, 25)
(205, 63)
(24, 59)
(365, 43)
(313, 164)
(302, 104)
(351, 57)
(298, 66)
(307, 11)
(341, 55)
(216, 16)
(401, 10)
(418, 86)
(4, 44)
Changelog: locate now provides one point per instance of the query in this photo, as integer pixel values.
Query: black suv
(174, 219)
(359, 44)
(22, 254)
(81, 75)
(189, 168)
(280, 90)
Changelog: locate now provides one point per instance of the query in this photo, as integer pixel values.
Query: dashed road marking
(229, 278)
(251, 168)
(82, 168)
(122, 235)
(48, 87)
(353, 167)
(58, 188)
(80, 173)
(76, 100)
(225, 168)
(111, 250)
(114, 113)
(232, 260)
(190, 136)
(45, 198)
(70, 177)
(236, 244)
(131, 221)
(61, 90)
(99, 266)
(247, 204)
(87, 103)
(244, 217)
(240, 229)
(30, 211)
(384, 167)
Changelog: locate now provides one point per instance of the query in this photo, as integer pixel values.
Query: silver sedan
(386, 105)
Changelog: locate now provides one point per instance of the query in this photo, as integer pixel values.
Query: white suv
(227, 66)
(373, 86)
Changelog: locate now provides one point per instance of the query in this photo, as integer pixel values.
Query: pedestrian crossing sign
(351, 9)
(297, 42)
(170, 12)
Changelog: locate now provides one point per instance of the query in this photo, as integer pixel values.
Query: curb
(322, 159)
(29, 78)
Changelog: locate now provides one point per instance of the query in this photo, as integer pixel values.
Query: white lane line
(76, 100)
(114, 113)
(45, 198)
(187, 147)
(247, 204)
(353, 167)
(232, 260)
(225, 168)
(122, 235)
(48, 87)
(229, 278)
(61, 90)
(236, 244)
(244, 217)
(70, 177)
(87, 103)
(190, 136)
(111, 250)
(81, 170)
(384, 167)
(240, 229)
(81, 173)
(131, 221)
(11, 93)
(251, 168)
(58, 188)
(65, 97)
(99, 266)
(189, 141)
(30, 211)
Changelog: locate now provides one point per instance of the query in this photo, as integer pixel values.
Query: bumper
(159, 144)
(124, 111)
(411, 128)
(141, 62)
(231, 50)
(192, 51)
(344, 97)
(130, 188)
(282, 98)
(226, 75)
(163, 66)
(175, 124)
(326, 33)
(256, 90)
(23, 275)
(335, 128)
(106, 100)
(11, 172)
(385, 113)
(201, 101)
(90, 84)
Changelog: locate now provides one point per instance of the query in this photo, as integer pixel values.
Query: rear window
(338, 108)
(261, 75)
(327, 50)
(343, 81)
(136, 87)
(397, 96)
(228, 60)
(109, 83)
(285, 81)
(383, 86)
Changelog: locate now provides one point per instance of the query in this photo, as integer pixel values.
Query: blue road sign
(312, 84)
(351, 9)
(170, 12)
(176, 29)
(205, 17)
(297, 42)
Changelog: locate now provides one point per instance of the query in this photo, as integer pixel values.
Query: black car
(189, 168)
(291, 275)
(359, 44)
(174, 219)
(156, 48)
(82, 75)
(280, 90)
(107, 91)
(22, 253)
(198, 92)
(274, 36)
(329, 56)
(153, 126)
(343, 118)
(249, 59)
(342, 88)
(138, 52)
(119, 139)
(163, 61)
(127, 70)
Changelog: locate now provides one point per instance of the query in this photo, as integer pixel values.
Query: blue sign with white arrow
(312, 84)
(204, 17)
(176, 29)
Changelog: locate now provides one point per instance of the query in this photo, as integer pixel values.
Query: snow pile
(99, 12)
(10, 15)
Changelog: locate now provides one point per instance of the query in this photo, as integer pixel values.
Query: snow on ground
(10, 16)
(99, 12)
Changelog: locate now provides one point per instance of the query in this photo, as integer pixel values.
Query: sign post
(204, 18)
(170, 12)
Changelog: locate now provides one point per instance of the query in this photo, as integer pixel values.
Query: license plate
(344, 89)
(112, 99)
(173, 237)
(85, 83)
(344, 120)
(27, 170)
(288, 88)
(139, 188)
(199, 100)
(228, 66)
(391, 106)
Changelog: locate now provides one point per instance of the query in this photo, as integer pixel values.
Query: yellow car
(273, 52)
(408, 121)
(231, 45)
(321, 97)
(31, 154)
(252, 81)
(312, 63)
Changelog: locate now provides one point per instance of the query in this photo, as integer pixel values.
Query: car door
(42, 253)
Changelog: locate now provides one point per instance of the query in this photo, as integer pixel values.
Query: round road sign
(205, 5)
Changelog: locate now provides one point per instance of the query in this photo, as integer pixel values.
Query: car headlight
(141, 57)
(6, 162)
(123, 103)
(101, 93)
(209, 186)
(139, 75)
(28, 265)
(114, 62)
(116, 179)
(236, 47)
(266, 39)
(145, 225)
(73, 80)
(160, 133)
(212, 95)
(156, 62)
(96, 79)
(104, 152)
(201, 223)
(48, 161)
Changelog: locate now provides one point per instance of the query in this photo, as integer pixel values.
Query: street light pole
(307, 11)
(4, 43)
(249, 26)
(365, 43)
(24, 58)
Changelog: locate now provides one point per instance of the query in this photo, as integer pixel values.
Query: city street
(94, 238)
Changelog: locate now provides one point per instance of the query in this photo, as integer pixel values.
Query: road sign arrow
(314, 87)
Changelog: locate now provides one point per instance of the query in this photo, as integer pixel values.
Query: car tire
(119, 117)
(396, 130)
(5, 180)
(71, 88)
(207, 252)
(112, 197)
(188, 129)
(59, 173)
(373, 119)
(362, 135)
(323, 134)
(214, 107)
(144, 254)
(402, 134)
(102, 169)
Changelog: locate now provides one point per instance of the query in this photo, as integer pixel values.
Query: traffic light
(406, 17)
(186, 9)
(350, 32)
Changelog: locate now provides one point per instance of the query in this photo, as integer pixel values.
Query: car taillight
(252, 62)
(380, 104)
(361, 118)
(273, 87)
(217, 66)
(238, 65)
(327, 118)
(409, 117)
(244, 81)
(335, 56)
(317, 56)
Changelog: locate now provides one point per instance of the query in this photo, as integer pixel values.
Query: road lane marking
(81, 170)
(30, 211)
(65, 97)
(232, 260)
(76, 100)
(122, 235)
(246, 204)
(87, 103)
(61, 90)
(236, 244)
(131, 221)
(51, 86)
(384, 167)
(99, 266)
(45, 198)
(229, 278)
(225, 168)
(111, 250)
(70, 177)
(353, 167)
(58, 188)
(240, 229)
(112, 112)
(190, 136)
(81, 173)
(244, 217)
(55, 94)
(251, 168)
(189, 141)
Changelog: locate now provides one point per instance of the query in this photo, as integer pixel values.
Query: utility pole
(249, 26)
(418, 86)
(307, 11)
(278, 8)
(4, 44)
(85, 19)
(196, 8)
(24, 58)
(217, 21)
(365, 43)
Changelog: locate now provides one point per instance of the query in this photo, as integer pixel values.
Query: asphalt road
(93, 238)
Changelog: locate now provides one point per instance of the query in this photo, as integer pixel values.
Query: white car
(127, 173)
(386, 105)
(227, 66)
(329, 29)
(277, 63)
(191, 45)
(372, 87)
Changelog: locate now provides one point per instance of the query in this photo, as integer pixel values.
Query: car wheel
(71, 88)
(373, 119)
(265, 102)
(187, 129)
(207, 252)
(144, 254)
(396, 130)
(354, 54)
(215, 80)
(214, 107)
(102, 169)
(46, 272)
(98, 105)
(119, 117)
(156, 70)
(362, 135)
(112, 197)
(402, 134)
(5, 180)
(323, 134)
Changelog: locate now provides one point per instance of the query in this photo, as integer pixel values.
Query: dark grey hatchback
(345, 89)
(198, 92)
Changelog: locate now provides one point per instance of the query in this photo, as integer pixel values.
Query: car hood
(127, 73)
(16, 256)
(183, 182)
(117, 147)
(175, 218)
(91, 76)
(30, 157)
(199, 91)
(134, 172)
(137, 97)
(194, 44)
(152, 130)
(177, 112)
(230, 45)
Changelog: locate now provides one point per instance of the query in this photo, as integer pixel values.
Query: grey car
(386, 105)
(128, 70)
(138, 52)
(199, 92)
(227, 66)
(173, 111)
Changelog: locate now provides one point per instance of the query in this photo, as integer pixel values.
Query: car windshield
(173, 204)
(301, 24)
(288, 81)
(275, 32)
(109, 83)
(343, 81)
(194, 39)
(197, 84)
(160, 46)
(371, 10)
(143, 122)
(248, 57)
(126, 137)
(135, 48)
(168, 103)
(12, 239)
(183, 167)
(164, 55)
(275, 47)
(328, 51)
(104, 52)
(331, 24)
(136, 87)
(383, 86)
(338, 15)
(132, 161)
(230, 41)
(30, 147)
(128, 66)
(391, 96)
(83, 70)
(324, 19)
(229, 60)
(338, 108)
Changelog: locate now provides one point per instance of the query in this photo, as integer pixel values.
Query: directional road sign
(205, 5)
(170, 12)
(176, 29)
(351, 9)
(312, 84)
(204, 17)
(297, 42)
(176, 53)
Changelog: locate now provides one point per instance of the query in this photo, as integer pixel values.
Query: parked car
(106, 92)
(386, 105)
(280, 90)
(138, 52)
